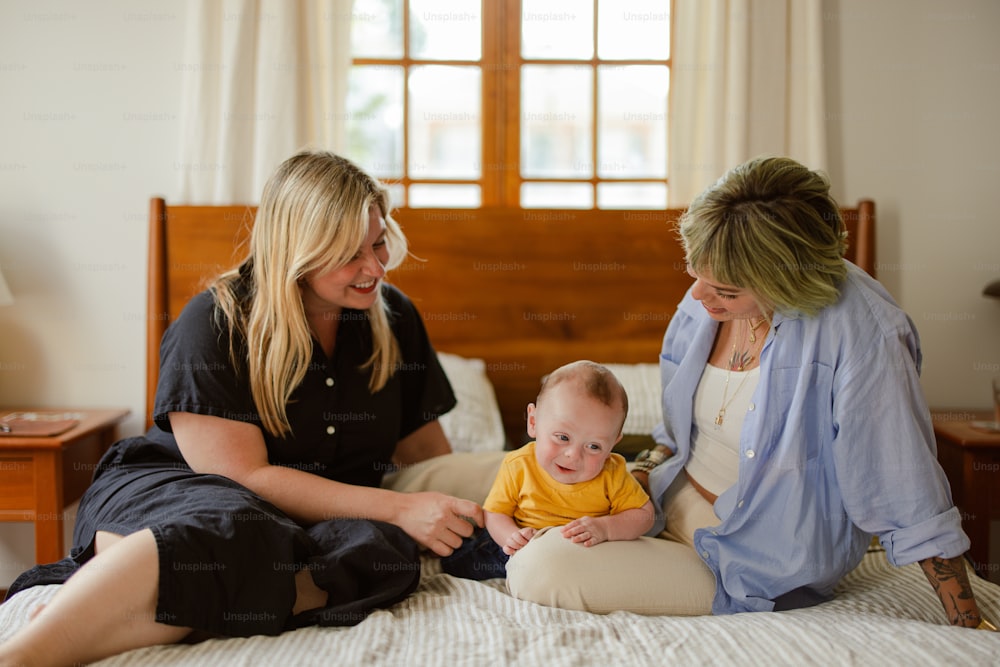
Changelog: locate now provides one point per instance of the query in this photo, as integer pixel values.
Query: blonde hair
(770, 226)
(596, 380)
(313, 216)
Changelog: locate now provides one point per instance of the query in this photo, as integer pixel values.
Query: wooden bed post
(864, 242)
(156, 298)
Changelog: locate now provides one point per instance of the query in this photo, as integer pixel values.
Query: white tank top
(715, 449)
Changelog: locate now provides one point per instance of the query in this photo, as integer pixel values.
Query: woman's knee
(546, 572)
(467, 475)
(645, 576)
(104, 539)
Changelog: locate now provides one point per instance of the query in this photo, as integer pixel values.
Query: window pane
(397, 194)
(377, 29)
(632, 195)
(632, 130)
(444, 131)
(557, 195)
(555, 121)
(445, 196)
(375, 119)
(446, 29)
(634, 29)
(562, 29)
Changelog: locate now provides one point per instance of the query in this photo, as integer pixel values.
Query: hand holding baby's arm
(507, 533)
(627, 525)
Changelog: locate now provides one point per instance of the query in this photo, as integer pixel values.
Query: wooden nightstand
(971, 460)
(41, 475)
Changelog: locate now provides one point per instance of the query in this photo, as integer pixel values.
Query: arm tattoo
(949, 571)
(950, 581)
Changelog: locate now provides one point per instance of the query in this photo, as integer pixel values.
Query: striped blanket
(881, 616)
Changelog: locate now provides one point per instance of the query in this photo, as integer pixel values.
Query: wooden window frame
(500, 69)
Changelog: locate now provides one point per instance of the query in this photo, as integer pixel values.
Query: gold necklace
(753, 328)
(745, 358)
(719, 418)
(737, 364)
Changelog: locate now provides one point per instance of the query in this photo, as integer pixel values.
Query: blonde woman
(286, 390)
(794, 427)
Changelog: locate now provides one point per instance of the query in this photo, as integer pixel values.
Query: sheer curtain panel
(747, 80)
(261, 79)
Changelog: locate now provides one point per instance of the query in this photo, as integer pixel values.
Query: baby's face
(574, 433)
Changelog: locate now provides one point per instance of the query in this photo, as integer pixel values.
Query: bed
(508, 296)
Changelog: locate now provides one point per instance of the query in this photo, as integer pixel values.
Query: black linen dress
(227, 557)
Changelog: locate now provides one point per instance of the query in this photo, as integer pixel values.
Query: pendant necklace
(725, 391)
(753, 328)
(737, 362)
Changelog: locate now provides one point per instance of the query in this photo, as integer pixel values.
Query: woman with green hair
(794, 427)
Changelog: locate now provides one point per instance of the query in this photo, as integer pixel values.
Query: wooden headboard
(526, 291)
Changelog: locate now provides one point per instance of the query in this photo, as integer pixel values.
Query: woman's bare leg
(307, 594)
(106, 608)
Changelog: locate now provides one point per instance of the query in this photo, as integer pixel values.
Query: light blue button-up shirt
(839, 447)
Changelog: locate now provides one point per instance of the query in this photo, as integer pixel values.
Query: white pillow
(642, 384)
(474, 425)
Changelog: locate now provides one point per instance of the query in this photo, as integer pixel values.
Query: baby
(568, 476)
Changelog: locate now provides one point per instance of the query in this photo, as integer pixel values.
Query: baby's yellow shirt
(528, 494)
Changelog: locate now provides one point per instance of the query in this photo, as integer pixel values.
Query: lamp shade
(6, 298)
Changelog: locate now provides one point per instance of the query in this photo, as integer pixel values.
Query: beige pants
(652, 576)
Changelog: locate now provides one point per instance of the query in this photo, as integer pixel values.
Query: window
(513, 103)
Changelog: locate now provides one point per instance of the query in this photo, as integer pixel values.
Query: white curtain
(747, 80)
(261, 79)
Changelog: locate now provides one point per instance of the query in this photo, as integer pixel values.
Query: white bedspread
(881, 616)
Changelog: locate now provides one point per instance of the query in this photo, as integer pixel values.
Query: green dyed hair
(771, 227)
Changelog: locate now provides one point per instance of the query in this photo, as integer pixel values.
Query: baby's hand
(586, 530)
(518, 539)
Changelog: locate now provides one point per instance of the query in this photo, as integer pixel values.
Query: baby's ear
(621, 434)
(531, 420)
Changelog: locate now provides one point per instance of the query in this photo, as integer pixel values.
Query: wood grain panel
(524, 290)
(17, 479)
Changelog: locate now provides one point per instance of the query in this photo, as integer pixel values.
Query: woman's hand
(436, 521)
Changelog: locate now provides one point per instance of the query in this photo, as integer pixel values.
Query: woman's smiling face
(356, 283)
(723, 302)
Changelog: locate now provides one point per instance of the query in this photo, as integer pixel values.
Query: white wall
(913, 92)
(88, 133)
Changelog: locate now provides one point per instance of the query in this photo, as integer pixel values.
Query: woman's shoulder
(199, 322)
(866, 305)
(201, 302)
(199, 309)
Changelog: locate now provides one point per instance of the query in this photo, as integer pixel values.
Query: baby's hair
(595, 379)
